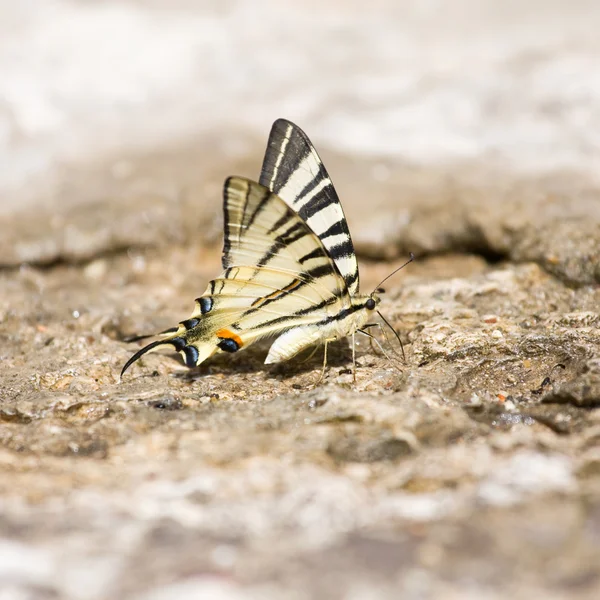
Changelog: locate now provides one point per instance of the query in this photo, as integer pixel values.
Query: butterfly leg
(353, 358)
(312, 353)
(374, 339)
(363, 330)
(324, 364)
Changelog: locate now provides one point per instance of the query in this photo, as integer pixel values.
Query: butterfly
(290, 270)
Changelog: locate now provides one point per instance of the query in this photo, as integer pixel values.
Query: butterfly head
(372, 301)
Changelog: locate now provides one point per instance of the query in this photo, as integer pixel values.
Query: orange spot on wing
(226, 334)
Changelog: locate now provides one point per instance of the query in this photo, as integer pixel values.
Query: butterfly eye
(370, 304)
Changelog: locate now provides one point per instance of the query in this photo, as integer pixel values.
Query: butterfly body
(290, 270)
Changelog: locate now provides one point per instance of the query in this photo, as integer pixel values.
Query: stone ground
(470, 470)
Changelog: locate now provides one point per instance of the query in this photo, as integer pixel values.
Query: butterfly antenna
(394, 332)
(377, 287)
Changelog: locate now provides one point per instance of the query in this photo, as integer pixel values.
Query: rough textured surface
(469, 471)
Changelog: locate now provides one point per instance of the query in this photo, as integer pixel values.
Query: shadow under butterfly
(290, 268)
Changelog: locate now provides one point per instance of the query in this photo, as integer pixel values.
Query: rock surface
(470, 470)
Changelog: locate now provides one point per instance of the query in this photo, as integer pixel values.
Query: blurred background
(507, 83)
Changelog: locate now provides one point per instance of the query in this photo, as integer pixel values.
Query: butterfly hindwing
(278, 276)
(293, 170)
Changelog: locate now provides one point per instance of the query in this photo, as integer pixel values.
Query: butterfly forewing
(263, 233)
(293, 170)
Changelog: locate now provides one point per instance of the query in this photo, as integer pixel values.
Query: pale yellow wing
(278, 276)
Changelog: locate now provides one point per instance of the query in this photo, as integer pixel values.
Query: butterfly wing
(278, 276)
(293, 170)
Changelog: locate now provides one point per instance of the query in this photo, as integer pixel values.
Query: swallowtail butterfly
(290, 269)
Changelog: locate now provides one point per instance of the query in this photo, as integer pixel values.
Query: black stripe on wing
(294, 232)
(232, 234)
(291, 320)
(293, 170)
